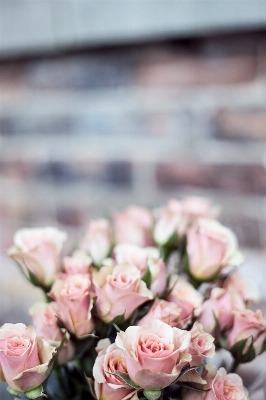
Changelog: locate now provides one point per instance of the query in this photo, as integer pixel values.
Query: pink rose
(73, 296)
(98, 240)
(158, 275)
(227, 387)
(108, 386)
(133, 226)
(119, 290)
(247, 324)
(186, 297)
(208, 374)
(221, 303)
(78, 263)
(222, 386)
(164, 311)
(138, 256)
(211, 247)
(37, 250)
(197, 207)
(170, 222)
(201, 345)
(24, 357)
(45, 322)
(155, 353)
(144, 258)
(244, 287)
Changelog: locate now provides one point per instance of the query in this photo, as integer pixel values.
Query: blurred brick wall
(89, 132)
(84, 134)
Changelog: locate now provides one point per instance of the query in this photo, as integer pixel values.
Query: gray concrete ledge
(35, 26)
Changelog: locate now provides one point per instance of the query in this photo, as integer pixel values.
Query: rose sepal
(152, 394)
(241, 356)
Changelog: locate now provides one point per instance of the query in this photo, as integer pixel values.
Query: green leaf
(219, 332)
(263, 347)
(147, 277)
(125, 377)
(117, 328)
(186, 370)
(54, 360)
(187, 386)
(120, 319)
(90, 383)
(237, 350)
(13, 392)
(152, 394)
(35, 393)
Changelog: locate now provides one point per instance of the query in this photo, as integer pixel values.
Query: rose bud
(219, 308)
(201, 345)
(73, 296)
(133, 226)
(37, 249)
(24, 357)
(119, 290)
(97, 240)
(186, 297)
(171, 222)
(249, 325)
(109, 386)
(78, 263)
(155, 353)
(165, 311)
(135, 255)
(45, 322)
(211, 247)
(244, 287)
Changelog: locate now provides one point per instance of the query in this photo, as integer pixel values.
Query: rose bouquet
(137, 311)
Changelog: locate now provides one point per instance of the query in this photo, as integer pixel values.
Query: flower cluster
(137, 311)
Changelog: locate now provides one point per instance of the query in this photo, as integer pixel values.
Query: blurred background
(109, 103)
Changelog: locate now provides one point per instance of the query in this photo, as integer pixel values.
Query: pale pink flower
(78, 263)
(165, 311)
(222, 386)
(107, 385)
(119, 290)
(220, 305)
(144, 258)
(186, 297)
(170, 222)
(227, 387)
(246, 289)
(97, 240)
(211, 247)
(201, 345)
(133, 226)
(247, 324)
(37, 250)
(45, 322)
(24, 357)
(198, 207)
(155, 353)
(136, 255)
(73, 296)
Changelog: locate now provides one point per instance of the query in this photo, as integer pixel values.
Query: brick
(192, 70)
(238, 125)
(232, 177)
(82, 72)
(118, 173)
